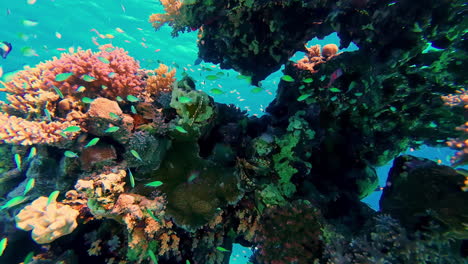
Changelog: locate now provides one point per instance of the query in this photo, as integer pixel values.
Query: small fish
(212, 77)
(181, 129)
(132, 179)
(18, 161)
(154, 184)
(58, 35)
(28, 52)
(80, 89)
(104, 60)
(57, 90)
(136, 155)
(256, 90)
(119, 30)
(110, 36)
(216, 91)
(72, 129)
(32, 153)
(112, 129)
(222, 249)
(3, 245)
(334, 90)
(5, 49)
(152, 215)
(31, 2)
(88, 78)
(186, 262)
(152, 256)
(70, 154)
(111, 74)
(103, 87)
(303, 97)
(119, 99)
(87, 100)
(93, 142)
(29, 185)
(28, 257)
(335, 75)
(114, 116)
(29, 23)
(287, 78)
(52, 197)
(63, 76)
(185, 99)
(193, 176)
(308, 80)
(133, 109)
(13, 202)
(132, 98)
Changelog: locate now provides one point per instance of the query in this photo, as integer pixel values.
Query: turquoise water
(48, 27)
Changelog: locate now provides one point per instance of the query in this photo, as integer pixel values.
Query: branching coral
(47, 221)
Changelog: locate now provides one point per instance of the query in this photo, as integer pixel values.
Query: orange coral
(16, 130)
(159, 81)
(314, 57)
(171, 7)
(460, 98)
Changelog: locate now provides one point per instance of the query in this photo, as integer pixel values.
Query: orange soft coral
(171, 7)
(314, 57)
(159, 81)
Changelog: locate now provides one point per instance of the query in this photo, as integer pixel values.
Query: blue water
(63, 23)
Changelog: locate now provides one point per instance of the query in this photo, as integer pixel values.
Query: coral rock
(48, 222)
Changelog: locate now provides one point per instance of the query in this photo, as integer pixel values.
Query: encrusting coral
(47, 221)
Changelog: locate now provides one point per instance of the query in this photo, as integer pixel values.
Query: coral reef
(154, 170)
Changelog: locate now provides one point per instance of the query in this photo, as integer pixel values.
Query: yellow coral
(47, 222)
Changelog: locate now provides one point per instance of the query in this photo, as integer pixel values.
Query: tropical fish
(32, 153)
(193, 176)
(335, 75)
(93, 142)
(222, 249)
(28, 52)
(3, 245)
(18, 161)
(154, 184)
(136, 155)
(80, 89)
(112, 129)
(104, 60)
(114, 116)
(185, 99)
(111, 74)
(132, 179)
(5, 49)
(13, 202)
(133, 109)
(57, 90)
(72, 129)
(87, 100)
(181, 129)
(119, 99)
(152, 256)
(70, 154)
(256, 90)
(52, 197)
(63, 76)
(29, 185)
(88, 78)
(58, 35)
(132, 98)
(212, 77)
(28, 257)
(216, 91)
(287, 78)
(303, 97)
(152, 215)
(29, 23)
(308, 80)
(334, 90)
